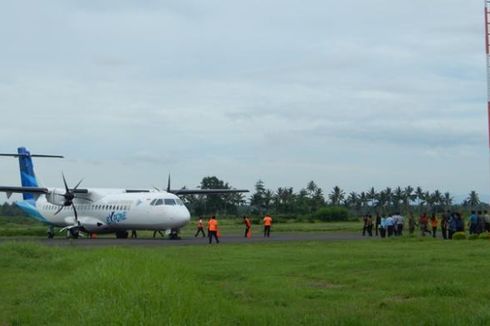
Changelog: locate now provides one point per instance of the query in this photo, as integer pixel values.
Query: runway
(188, 241)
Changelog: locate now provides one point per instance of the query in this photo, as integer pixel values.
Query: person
(399, 224)
(248, 226)
(411, 223)
(133, 234)
(200, 228)
(473, 222)
(370, 225)
(364, 225)
(213, 229)
(267, 225)
(481, 222)
(452, 225)
(382, 227)
(433, 224)
(459, 223)
(423, 221)
(486, 217)
(390, 225)
(444, 224)
(377, 223)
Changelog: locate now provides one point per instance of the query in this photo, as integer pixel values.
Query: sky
(349, 93)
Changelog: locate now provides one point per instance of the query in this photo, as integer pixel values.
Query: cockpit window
(159, 202)
(169, 202)
(179, 202)
(153, 202)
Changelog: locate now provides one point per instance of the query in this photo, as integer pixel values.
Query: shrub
(484, 236)
(473, 236)
(330, 214)
(459, 236)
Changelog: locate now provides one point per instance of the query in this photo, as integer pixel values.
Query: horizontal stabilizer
(206, 191)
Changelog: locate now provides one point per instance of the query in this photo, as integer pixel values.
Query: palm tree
(371, 195)
(420, 196)
(410, 197)
(336, 196)
(447, 200)
(473, 199)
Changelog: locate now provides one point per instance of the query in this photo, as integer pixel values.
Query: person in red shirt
(267, 225)
(248, 226)
(213, 229)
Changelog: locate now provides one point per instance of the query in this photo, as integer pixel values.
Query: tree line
(311, 199)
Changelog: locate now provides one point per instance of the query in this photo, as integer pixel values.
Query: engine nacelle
(55, 197)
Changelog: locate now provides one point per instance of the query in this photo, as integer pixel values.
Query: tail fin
(27, 175)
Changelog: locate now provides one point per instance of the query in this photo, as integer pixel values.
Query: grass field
(397, 281)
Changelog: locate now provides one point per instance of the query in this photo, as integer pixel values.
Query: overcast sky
(350, 93)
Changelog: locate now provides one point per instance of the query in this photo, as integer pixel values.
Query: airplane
(98, 210)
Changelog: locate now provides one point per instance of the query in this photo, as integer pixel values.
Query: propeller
(69, 196)
(168, 183)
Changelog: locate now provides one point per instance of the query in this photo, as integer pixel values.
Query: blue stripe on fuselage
(29, 207)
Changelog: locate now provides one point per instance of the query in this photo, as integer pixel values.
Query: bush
(459, 236)
(484, 236)
(473, 236)
(330, 214)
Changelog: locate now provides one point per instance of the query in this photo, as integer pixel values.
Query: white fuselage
(112, 210)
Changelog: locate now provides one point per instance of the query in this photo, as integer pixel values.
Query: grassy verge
(410, 281)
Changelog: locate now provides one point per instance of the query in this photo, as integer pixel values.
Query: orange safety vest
(213, 225)
(433, 222)
(267, 220)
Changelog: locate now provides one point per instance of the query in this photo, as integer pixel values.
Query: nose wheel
(174, 234)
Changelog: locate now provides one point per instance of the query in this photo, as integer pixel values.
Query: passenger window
(169, 202)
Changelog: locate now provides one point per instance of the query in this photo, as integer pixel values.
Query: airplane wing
(34, 190)
(205, 191)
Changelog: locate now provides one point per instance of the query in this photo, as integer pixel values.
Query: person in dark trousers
(213, 229)
(411, 223)
(200, 228)
(433, 224)
(267, 225)
(444, 224)
(377, 223)
(370, 225)
(248, 225)
(133, 234)
(364, 226)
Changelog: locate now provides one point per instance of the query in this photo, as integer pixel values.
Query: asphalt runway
(227, 239)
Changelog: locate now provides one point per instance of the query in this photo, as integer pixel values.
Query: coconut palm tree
(336, 196)
(473, 200)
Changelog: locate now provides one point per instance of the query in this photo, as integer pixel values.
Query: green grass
(397, 281)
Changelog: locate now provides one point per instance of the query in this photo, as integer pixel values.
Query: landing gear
(122, 234)
(50, 232)
(174, 234)
(74, 233)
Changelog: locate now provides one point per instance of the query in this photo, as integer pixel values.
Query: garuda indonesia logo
(114, 217)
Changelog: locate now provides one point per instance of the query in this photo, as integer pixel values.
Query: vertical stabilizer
(27, 175)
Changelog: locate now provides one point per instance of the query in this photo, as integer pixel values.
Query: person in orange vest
(248, 226)
(267, 225)
(200, 228)
(213, 229)
(433, 223)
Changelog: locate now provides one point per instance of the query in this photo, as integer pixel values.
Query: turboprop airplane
(96, 210)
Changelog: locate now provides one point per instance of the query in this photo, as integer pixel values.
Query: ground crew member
(248, 226)
(213, 229)
(267, 225)
(200, 228)
(133, 234)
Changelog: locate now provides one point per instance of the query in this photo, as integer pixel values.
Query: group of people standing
(448, 223)
(213, 231)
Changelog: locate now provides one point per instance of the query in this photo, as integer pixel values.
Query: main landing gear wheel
(174, 235)
(122, 234)
(73, 233)
(50, 232)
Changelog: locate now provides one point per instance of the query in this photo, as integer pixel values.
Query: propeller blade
(78, 184)
(168, 183)
(59, 210)
(66, 185)
(76, 214)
